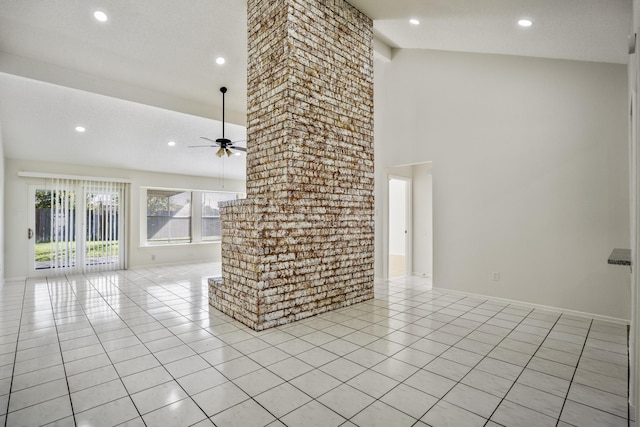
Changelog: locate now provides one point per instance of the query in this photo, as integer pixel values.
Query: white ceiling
(120, 134)
(148, 75)
(584, 30)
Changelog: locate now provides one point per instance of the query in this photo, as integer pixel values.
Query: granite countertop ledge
(620, 257)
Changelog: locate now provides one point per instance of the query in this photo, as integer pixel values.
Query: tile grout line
(523, 369)
(335, 338)
(483, 357)
(571, 382)
(191, 310)
(15, 354)
(466, 336)
(408, 346)
(452, 302)
(497, 344)
(150, 352)
(584, 344)
(574, 368)
(458, 317)
(189, 396)
(437, 296)
(450, 346)
(91, 325)
(64, 368)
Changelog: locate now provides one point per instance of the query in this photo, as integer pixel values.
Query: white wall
(16, 245)
(2, 205)
(422, 220)
(532, 173)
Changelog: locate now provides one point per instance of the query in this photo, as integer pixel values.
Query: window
(210, 226)
(168, 216)
(182, 216)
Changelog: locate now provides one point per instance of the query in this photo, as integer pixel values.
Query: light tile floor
(142, 347)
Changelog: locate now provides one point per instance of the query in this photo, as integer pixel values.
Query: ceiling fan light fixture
(220, 152)
(229, 153)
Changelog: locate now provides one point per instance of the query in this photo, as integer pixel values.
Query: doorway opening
(409, 221)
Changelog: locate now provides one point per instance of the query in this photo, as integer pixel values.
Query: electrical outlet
(153, 257)
(495, 276)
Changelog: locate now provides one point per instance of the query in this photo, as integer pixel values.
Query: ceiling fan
(223, 144)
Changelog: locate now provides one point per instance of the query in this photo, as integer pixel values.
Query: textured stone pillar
(302, 242)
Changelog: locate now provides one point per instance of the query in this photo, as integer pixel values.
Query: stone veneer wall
(302, 242)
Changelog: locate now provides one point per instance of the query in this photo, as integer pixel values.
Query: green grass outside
(94, 250)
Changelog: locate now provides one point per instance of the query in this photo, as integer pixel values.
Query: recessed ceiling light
(80, 129)
(171, 143)
(100, 16)
(414, 21)
(525, 22)
(220, 60)
(238, 153)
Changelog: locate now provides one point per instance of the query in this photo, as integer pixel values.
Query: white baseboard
(419, 274)
(172, 263)
(14, 279)
(540, 306)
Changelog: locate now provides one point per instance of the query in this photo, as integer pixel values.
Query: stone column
(302, 242)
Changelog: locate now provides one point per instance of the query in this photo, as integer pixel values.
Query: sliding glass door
(53, 239)
(76, 226)
(103, 226)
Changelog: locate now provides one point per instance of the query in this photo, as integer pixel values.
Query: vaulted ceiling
(148, 75)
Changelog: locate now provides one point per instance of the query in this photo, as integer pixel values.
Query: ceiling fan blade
(220, 152)
(202, 146)
(209, 139)
(238, 141)
(239, 148)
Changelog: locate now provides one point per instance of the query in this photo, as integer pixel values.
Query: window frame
(164, 216)
(202, 215)
(195, 217)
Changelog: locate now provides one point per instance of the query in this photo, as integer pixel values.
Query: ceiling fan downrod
(223, 90)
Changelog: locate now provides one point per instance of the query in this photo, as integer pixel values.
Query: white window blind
(62, 239)
(104, 225)
(86, 227)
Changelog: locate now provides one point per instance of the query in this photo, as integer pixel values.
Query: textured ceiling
(148, 75)
(154, 44)
(39, 124)
(586, 30)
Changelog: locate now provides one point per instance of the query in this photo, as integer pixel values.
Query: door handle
(30, 233)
